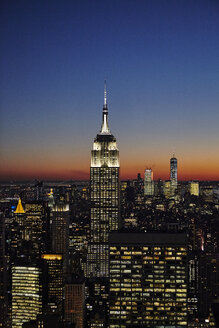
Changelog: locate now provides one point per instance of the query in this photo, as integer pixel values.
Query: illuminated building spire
(105, 104)
(19, 209)
(105, 127)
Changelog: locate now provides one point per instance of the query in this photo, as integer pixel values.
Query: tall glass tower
(173, 175)
(104, 196)
(148, 183)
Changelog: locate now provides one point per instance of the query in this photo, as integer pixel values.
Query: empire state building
(104, 196)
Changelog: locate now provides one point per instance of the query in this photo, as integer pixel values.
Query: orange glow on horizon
(190, 167)
(189, 173)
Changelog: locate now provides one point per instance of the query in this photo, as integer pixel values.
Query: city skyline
(160, 62)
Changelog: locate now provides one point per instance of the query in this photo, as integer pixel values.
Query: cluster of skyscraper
(144, 275)
(39, 268)
(170, 186)
(130, 278)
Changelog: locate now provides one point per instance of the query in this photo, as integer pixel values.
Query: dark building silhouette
(74, 304)
(52, 265)
(60, 231)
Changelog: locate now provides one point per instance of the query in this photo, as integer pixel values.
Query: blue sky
(161, 62)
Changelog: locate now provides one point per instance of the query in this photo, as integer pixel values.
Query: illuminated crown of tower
(19, 209)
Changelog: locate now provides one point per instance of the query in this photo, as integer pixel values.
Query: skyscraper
(17, 231)
(104, 196)
(173, 175)
(105, 204)
(35, 226)
(148, 183)
(52, 283)
(26, 294)
(60, 231)
(148, 280)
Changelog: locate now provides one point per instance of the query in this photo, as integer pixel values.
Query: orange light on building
(51, 257)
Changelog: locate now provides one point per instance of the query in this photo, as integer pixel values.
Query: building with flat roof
(194, 188)
(148, 280)
(26, 294)
(52, 283)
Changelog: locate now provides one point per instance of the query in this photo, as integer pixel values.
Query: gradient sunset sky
(161, 62)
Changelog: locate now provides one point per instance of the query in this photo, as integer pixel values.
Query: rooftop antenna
(105, 104)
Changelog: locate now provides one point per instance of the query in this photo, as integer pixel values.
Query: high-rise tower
(104, 197)
(60, 231)
(148, 183)
(26, 293)
(173, 174)
(17, 232)
(104, 193)
(52, 283)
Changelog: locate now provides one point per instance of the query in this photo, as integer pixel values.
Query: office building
(17, 232)
(148, 183)
(167, 189)
(26, 294)
(35, 227)
(60, 231)
(105, 205)
(52, 283)
(173, 175)
(148, 280)
(207, 192)
(194, 188)
(75, 302)
(3, 300)
(104, 196)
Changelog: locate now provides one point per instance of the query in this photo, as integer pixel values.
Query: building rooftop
(135, 238)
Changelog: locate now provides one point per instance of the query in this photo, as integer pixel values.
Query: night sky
(161, 62)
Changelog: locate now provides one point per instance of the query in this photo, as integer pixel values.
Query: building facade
(26, 294)
(105, 214)
(167, 191)
(35, 226)
(3, 300)
(148, 183)
(104, 197)
(148, 280)
(52, 283)
(60, 231)
(173, 175)
(75, 303)
(17, 232)
(194, 188)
